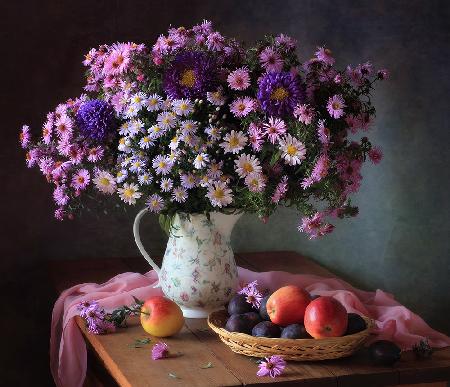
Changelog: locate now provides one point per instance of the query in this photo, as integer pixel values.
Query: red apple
(287, 305)
(325, 317)
(161, 317)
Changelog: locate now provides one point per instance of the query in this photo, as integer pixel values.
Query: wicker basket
(289, 349)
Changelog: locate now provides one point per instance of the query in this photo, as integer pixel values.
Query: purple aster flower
(160, 351)
(25, 136)
(324, 55)
(60, 196)
(383, 74)
(252, 294)
(272, 366)
(279, 93)
(191, 75)
(96, 119)
(85, 306)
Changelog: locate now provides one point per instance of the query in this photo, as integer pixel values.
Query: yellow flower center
(218, 193)
(234, 142)
(247, 167)
(188, 78)
(128, 193)
(156, 129)
(152, 102)
(122, 141)
(291, 150)
(241, 107)
(104, 181)
(280, 93)
(146, 139)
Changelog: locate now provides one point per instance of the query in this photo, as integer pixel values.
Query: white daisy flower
(124, 129)
(214, 170)
(145, 142)
(129, 193)
(121, 175)
(131, 111)
(153, 103)
(255, 182)
(200, 160)
(179, 194)
(135, 127)
(126, 161)
(137, 165)
(216, 98)
(205, 181)
(105, 182)
(234, 142)
(123, 147)
(145, 178)
(166, 120)
(293, 150)
(213, 132)
(188, 127)
(166, 104)
(162, 164)
(166, 184)
(219, 194)
(182, 107)
(155, 131)
(138, 100)
(174, 143)
(190, 139)
(155, 203)
(188, 181)
(246, 165)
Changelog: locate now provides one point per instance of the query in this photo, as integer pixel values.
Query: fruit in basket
(239, 305)
(161, 317)
(253, 318)
(263, 308)
(384, 352)
(355, 324)
(325, 317)
(287, 305)
(295, 331)
(239, 323)
(266, 329)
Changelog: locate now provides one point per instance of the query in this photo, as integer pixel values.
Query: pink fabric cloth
(68, 350)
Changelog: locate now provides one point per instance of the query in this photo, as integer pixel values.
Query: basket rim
(289, 342)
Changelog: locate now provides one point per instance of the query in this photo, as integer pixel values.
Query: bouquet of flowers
(198, 123)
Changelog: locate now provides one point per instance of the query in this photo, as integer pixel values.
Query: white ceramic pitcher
(198, 271)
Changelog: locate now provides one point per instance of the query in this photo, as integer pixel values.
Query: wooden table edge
(107, 360)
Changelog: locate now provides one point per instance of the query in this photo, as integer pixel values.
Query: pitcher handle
(137, 239)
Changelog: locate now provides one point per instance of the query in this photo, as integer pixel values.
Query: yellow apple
(161, 317)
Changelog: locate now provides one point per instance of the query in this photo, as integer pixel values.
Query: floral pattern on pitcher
(199, 270)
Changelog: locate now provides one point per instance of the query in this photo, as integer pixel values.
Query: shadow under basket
(289, 349)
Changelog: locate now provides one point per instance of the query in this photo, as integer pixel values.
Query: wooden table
(114, 361)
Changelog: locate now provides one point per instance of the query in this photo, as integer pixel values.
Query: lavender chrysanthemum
(191, 75)
(96, 119)
(279, 93)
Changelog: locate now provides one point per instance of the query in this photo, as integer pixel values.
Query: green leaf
(275, 157)
(209, 365)
(166, 221)
(172, 375)
(139, 343)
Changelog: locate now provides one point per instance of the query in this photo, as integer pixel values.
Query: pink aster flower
(117, 61)
(81, 179)
(155, 203)
(335, 106)
(47, 130)
(314, 226)
(272, 366)
(375, 154)
(270, 60)
(285, 41)
(75, 154)
(46, 165)
(64, 126)
(275, 128)
(255, 136)
(25, 136)
(239, 79)
(95, 154)
(160, 351)
(304, 113)
(324, 55)
(280, 190)
(60, 196)
(320, 170)
(323, 133)
(215, 41)
(60, 213)
(32, 157)
(241, 107)
(355, 75)
(383, 74)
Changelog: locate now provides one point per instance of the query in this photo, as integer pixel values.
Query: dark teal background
(400, 240)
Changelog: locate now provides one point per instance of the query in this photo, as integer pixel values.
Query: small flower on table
(160, 351)
(272, 366)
